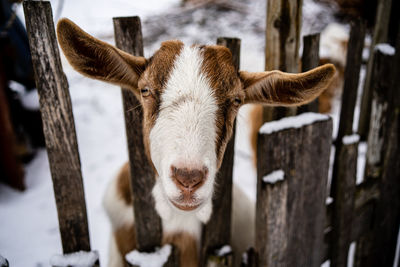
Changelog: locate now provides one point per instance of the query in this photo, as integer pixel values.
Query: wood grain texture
(58, 126)
(217, 231)
(365, 196)
(128, 37)
(343, 204)
(379, 125)
(380, 35)
(379, 246)
(350, 88)
(282, 45)
(310, 60)
(290, 226)
(250, 258)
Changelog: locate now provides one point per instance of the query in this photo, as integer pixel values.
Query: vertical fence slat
(378, 247)
(343, 204)
(58, 126)
(298, 207)
(380, 35)
(282, 45)
(310, 60)
(217, 231)
(351, 78)
(128, 37)
(349, 95)
(380, 86)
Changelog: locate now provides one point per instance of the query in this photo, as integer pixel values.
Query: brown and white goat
(190, 96)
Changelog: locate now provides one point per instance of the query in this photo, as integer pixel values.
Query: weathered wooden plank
(343, 204)
(349, 95)
(381, 242)
(379, 35)
(282, 44)
(58, 126)
(290, 214)
(351, 78)
(365, 193)
(310, 60)
(361, 224)
(217, 231)
(379, 126)
(250, 258)
(148, 232)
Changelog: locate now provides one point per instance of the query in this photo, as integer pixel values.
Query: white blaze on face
(184, 132)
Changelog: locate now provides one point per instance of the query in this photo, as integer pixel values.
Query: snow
(351, 254)
(292, 122)
(245, 259)
(386, 49)
(225, 250)
(350, 139)
(274, 177)
(77, 259)
(155, 259)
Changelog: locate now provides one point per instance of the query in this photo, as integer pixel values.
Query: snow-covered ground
(29, 233)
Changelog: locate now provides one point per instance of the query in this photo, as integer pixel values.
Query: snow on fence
(294, 224)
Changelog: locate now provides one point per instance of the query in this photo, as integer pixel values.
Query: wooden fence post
(378, 247)
(58, 126)
(343, 204)
(218, 230)
(380, 35)
(148, 232)
(310, 60)
(282, 44)
(379, 126)
(350, 87)
(292, 173)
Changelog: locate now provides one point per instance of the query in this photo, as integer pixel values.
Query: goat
(190, 96)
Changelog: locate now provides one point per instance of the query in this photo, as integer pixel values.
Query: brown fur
(277, 88)
(124, 184)
(155, 78)
(226, 85)
(96, 59)
(125, 239)
(187, 246)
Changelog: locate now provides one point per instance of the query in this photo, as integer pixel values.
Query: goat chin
(119, 210)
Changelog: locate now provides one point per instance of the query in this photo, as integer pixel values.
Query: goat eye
(145, 92)
(237, 101)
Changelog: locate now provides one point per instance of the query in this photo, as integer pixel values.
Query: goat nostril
(188, 179)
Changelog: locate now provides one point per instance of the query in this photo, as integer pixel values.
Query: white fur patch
(118, 211)
(184, 133)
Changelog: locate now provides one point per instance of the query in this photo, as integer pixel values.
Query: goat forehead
(211, 62)
(185, 126)
(187, 82)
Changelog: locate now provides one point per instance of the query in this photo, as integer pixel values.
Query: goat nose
(188, 179)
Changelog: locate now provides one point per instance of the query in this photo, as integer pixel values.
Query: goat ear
(96, 59)
(277, 88)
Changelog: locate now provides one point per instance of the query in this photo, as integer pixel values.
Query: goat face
(189, 109)
(190, 97)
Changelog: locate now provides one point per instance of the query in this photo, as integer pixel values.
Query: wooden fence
(294, 225)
